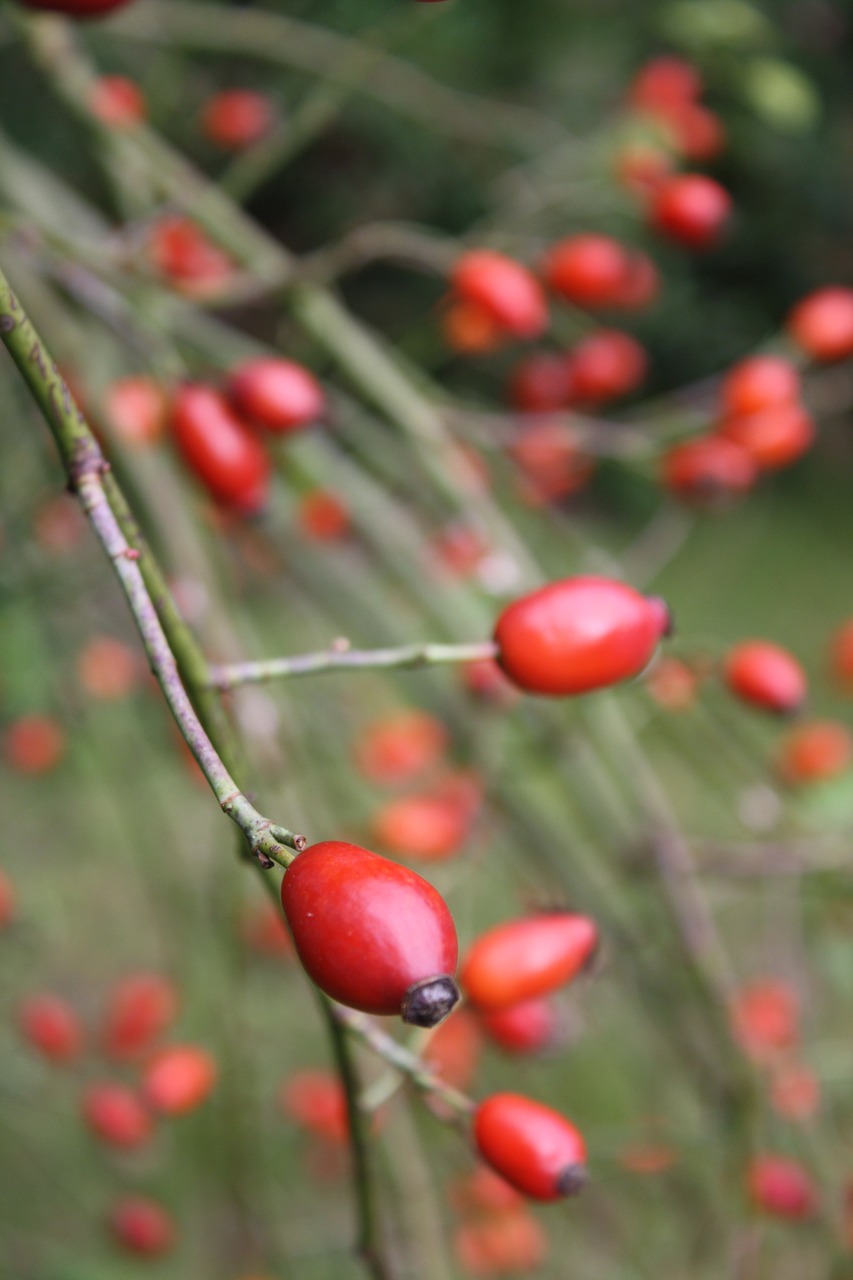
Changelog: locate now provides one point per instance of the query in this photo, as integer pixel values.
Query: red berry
(8, 901)
(576, 635)
(51, 1026)
(765, 1018)
(794, 1091)
(525, 958)
(822, 323)
(691, 209)
(76, 8)
(672, 684)
(315, 1099)
(773, 437)
(400, 746)
(766, 675)
(108, 669)
(471, 329)
(321, 515)
(641, 285)
(536, 1149)
(220, 449)
(759, 382)
(34, 744)
(841, 656)
(182, 252)
(141, 1008)
(430, 826)
(179, 1078)
(504, 288)
(117, 102)
(116, 1115)
(235, 118)
(708, 470)
(370, 933)
(453, 1050)
(541, 383)
(815, 751)
(512, 1243)
(781, 1187)
(484, 1192)
(137, 409)
(264, 931)
(590, 270)
(278, 395)
(698, 133)
(663, 84)
(529, 1027)
(551, 461)
(142, 1226)
(607, 365)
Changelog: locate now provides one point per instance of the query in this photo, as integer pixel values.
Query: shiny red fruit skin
(691, 209)
(278, 395)
(142, 1226)
(781, 1187)
(525, 958)
(76, 8)
(504, 288)
(179, 1078)
(590, 270)
(116, 1115)
(537, 1150)
(366, 929)
(219, 449)
(576, 635)
(822, 323)
(766, 675)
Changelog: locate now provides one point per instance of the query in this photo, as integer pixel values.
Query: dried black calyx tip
(426, 1003)
(572, 1179)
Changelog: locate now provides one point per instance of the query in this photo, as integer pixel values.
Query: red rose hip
(576, 635)
(275, 394)
(220, 449)
(370, 933)
(766, 675)
(503, 288)
(537, 1150)
(691, 209)
(525, 958)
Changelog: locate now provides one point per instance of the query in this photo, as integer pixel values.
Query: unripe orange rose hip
(537, 1150)
(576, 635)
(370, 933)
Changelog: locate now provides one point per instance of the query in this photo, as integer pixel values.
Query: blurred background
(399, 135)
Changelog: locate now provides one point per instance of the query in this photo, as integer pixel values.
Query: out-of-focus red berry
(822, 323)
(235, 118)
(663, 84)
(401, 746)
(814, 752)
(51, 1026)
(551, 461)
(181, 252)
(504, 288)
(470, 329)
(430, 826)
(315, 1100)
(179, 1078)
(647, 1158)
(691, 209)
(460, 548)
(672, 684)
(59, 525)
(483, 1192)
(529, 1027)
(781, 1187)
(117, 102)
(512, 1243)
(759, 382)
(453, 1050)
(137, 409)
(522, 959)
(140, 1009)
(8, 901)
(34, 744)
(220, 449)
(766, 675)
(484, 679)
(108, 669)
(699, 134)
(276, 394)
(765, 1018)
(541, 383)
(607, 365)
(142, 1226)
(794, 1091)
(773, 437)
(708, 471)
(265, 932)
(589, 270)
(322, 515)
(115, 1114)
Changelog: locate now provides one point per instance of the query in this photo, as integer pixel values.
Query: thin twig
(339, 657)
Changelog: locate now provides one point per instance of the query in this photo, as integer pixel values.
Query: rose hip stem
(339, 657)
